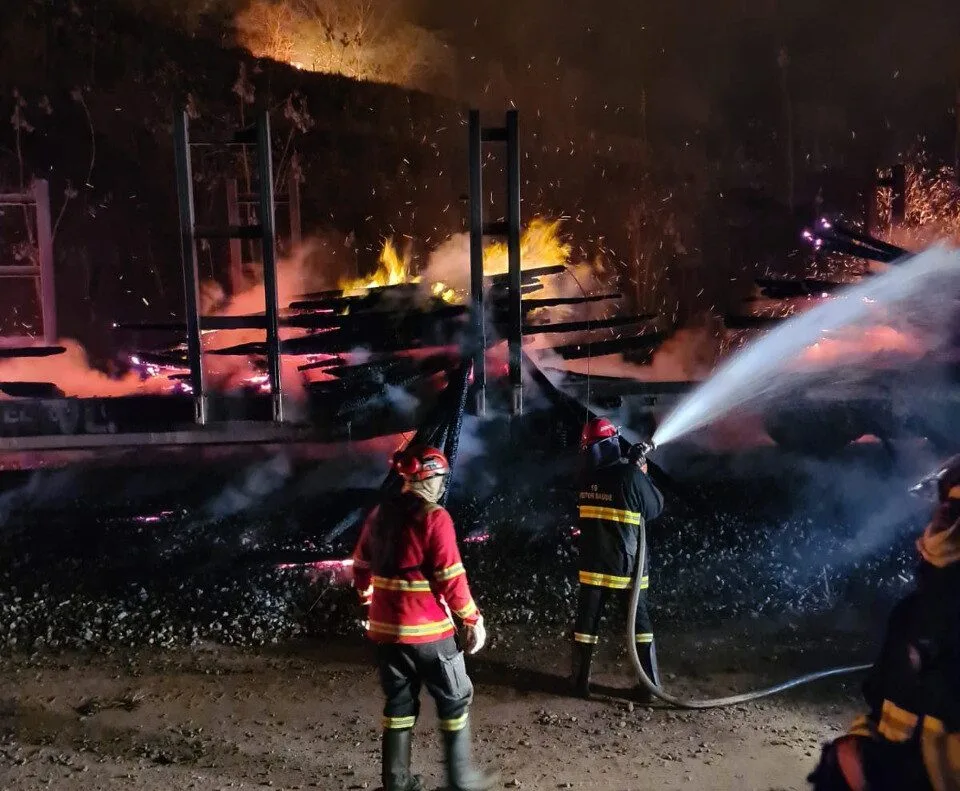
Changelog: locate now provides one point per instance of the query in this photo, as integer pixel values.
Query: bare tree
(267, 30)
(363, 39)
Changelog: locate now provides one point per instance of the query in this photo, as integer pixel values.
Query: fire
(540, 245)
(394, 269)
(869, 342)
(440, 291)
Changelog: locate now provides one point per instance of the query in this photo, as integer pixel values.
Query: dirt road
(306, 716)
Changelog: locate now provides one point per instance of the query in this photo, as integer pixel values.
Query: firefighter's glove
(364, 617)
(475, 637)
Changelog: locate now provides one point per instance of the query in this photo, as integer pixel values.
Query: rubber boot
(582, 658)
(462, 775)
(396, 776)
(648, 661)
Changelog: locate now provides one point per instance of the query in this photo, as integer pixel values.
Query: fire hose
(638, 454)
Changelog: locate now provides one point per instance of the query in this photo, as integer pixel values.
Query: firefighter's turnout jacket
(407, 568)
(613, 500)
(913, 690)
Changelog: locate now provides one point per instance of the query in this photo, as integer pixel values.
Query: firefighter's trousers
(440, 667)
(593, 601)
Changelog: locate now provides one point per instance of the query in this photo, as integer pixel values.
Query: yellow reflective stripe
(449, 572)
(589, 639)
(941, 755)
(467, 611)
(604, 580)
(644, 582)
(456, 724)
(398, 723)
(391, 584)
(896, 724)
(645, 637)
(420, 630)
(610, 514)
(861, 726)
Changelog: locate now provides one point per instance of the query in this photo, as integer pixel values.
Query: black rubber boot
(396, 776)
(648, 661)
(582, 658)
(462, 775)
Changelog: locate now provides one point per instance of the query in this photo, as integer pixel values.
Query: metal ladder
(37, 196)
(258, 136)
(510, 136)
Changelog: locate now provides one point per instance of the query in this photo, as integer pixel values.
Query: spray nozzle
(637, 454)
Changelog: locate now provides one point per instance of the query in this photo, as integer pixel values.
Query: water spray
(751, 374)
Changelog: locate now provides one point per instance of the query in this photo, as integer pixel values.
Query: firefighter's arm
(643, 496)
(362, 576)
(449, 578)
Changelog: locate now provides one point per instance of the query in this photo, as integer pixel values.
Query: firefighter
(409, 574)
(910, 739)
(615, 496)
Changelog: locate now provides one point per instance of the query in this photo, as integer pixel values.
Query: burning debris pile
(401, 317)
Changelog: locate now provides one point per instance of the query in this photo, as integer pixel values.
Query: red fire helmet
(420, 464)
(596, 430)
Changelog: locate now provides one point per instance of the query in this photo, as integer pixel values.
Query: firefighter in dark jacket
(408, 571)
(615, 497)
(910, 739)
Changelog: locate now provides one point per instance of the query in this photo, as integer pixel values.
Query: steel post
(476, 264)
(515, 311)
(269, 254)
(191, 283)
(48, 289)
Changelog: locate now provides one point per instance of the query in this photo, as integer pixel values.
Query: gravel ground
(162, 628)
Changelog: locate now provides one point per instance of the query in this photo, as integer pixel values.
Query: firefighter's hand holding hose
(475, 637)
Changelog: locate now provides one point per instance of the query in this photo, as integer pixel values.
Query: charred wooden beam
(310, 321)
(577, 351)
(546, 302)
(868, 240)
(502, 279)
(31, 390)
(750, 322)
(328, 363)
(378, 333)
(581, 326)
(13, 352)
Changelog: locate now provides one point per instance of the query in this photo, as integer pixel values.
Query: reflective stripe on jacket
(407, 567)
(614, 500)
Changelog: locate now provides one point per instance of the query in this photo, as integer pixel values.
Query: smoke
(688, 355)
(251, 488)
(73, 374)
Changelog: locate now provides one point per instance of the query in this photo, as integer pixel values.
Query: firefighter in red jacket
(408, 571)
(615, 496)
(910, 739)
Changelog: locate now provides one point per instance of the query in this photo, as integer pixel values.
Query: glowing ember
(337, 572)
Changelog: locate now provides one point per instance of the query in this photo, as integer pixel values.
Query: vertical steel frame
(191, 282)
(269, 255)
(476, 263)
(515, 314)
(510, 135)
